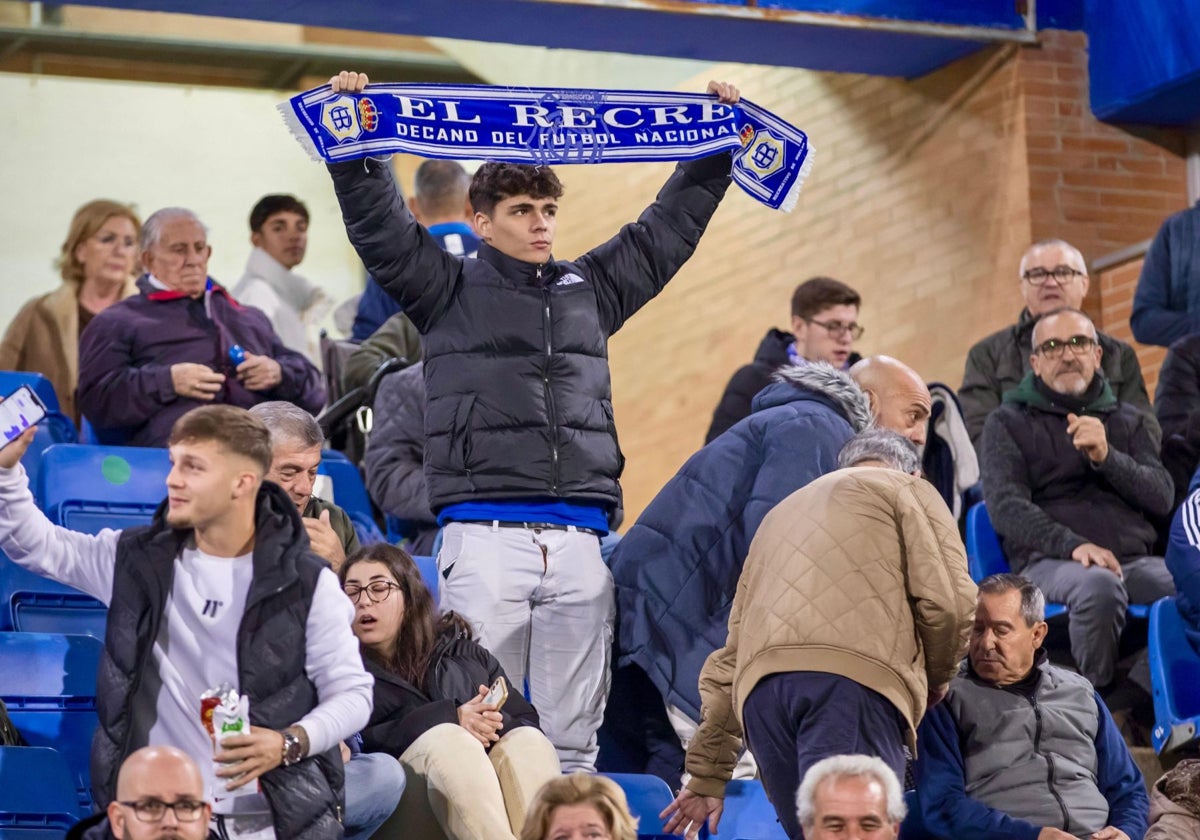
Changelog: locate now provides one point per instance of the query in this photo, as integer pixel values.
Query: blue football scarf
(549, 126)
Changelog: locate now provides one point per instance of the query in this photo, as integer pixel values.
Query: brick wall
(923, 196)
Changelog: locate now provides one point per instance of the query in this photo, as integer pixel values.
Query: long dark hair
(421, 624)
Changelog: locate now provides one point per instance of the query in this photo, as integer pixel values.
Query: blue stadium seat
(28, 601)
(1175, 677)
(748, 814)
(350, 494)
(56, 428)
(429, 573)
(49, 686)
(647, 796)
(985, 556)
(37, 796)
(89, 488)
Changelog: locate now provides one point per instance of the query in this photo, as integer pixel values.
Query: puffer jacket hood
(824, 380)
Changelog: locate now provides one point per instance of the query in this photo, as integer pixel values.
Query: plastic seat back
(350, 494)
(748, 814)
(19, 588)
(1175, 678)
(56, 428)
(985, 556)
(89, 488)
(429, 573)
(36, 792)
(647, 796)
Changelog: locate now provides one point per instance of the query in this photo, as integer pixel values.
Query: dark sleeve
(980, 393)
(1133, 386)
(1154, 320)
(1138, 476)
(399, 254)
(396, 339)
(1119, 779)
(1009, 497)
(1177, 397)
(112, 391)
(345, 530)
(302, 383)
(946, 809)
(634, 266)
(395, 459)
(735, 402)
(395, 733)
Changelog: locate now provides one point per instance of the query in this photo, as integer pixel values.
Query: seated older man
(854, 796)
(148, 360)
(1023, 749)
(1070, 475)
(1053, 275)
(296, 444)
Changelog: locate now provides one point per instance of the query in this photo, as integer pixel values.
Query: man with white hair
(148, 360)
(1053, 275)
(850, 797)
(1021, 748)
(850, 617)
(1071, 475)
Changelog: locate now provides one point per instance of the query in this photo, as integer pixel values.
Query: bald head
(158, 774)
(899, 398)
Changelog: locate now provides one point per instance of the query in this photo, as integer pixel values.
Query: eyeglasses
(153, 810)
(1053, 349)
(1062, 273)
(837, 329)
(377, 592)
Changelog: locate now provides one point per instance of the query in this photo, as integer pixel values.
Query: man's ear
(483, 226)
(1039, 634)
(414, 204)
(256, 238)
(116, 820)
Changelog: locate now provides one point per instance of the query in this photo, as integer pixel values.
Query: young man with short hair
(824, 329)
(292, 303)
(522, 461)
(221, 588)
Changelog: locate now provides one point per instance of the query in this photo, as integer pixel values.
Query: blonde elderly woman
(580, 807)
(97, 263)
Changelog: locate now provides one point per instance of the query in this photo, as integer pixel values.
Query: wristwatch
(293, 749)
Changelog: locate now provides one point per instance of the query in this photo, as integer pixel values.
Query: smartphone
(498, 693)
(20, 410)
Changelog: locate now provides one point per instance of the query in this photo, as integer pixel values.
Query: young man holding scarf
(522, 460)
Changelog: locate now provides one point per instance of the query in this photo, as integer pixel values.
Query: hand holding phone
(479, 718)
(497, 694)
(20, 412)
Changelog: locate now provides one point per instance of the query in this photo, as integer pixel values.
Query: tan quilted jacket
(862, 574)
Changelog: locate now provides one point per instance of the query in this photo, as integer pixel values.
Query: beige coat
(44, 338)
(861, 574)
(1171, 819)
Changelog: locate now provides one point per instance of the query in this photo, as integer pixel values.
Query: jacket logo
(570, 280)
(211, 607)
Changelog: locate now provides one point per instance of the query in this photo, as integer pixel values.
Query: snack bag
(225, 713)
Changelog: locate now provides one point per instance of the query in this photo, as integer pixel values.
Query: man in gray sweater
(1070, 475)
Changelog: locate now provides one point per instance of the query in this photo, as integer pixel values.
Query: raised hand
(349, 81)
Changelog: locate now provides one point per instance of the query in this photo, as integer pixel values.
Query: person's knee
(1099, 590)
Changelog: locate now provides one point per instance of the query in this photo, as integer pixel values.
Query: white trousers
(542, 602)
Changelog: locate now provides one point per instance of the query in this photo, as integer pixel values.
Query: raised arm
(400, 254)
(635, 265)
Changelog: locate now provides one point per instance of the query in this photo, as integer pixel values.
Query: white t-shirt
(196, 648)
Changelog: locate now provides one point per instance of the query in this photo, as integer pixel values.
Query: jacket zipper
(550, 411)
(1037, 748)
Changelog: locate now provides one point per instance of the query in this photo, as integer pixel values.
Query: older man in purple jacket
(151, 358)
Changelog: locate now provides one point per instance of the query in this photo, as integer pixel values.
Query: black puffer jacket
(306, 798)
(516, 354)
(403, 711)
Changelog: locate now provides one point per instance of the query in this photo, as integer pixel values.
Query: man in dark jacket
(1177, 407)
(160, 796)
(148, 360)
(1053, 275)
(522, 461)
(1070, 475)
(1166, 305)
(221, 589)
(1020, 748)
(824, 328)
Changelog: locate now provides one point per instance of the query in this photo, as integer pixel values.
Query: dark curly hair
(494, 182)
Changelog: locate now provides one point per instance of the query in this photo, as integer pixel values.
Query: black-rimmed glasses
(837, 329)
(1062, 273)
(377, 591)
(153, 810)
(1054, 348)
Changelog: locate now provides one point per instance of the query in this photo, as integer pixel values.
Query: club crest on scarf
(552, 126)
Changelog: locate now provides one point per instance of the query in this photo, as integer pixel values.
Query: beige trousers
(458, 791)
